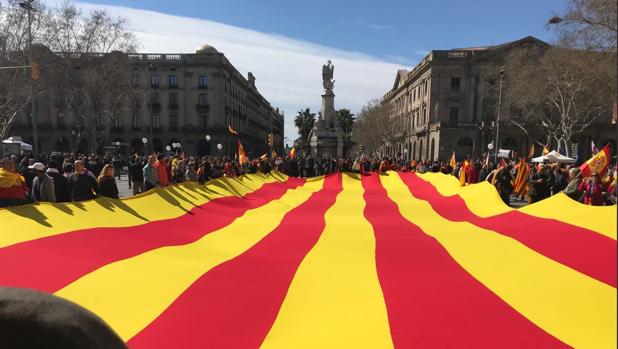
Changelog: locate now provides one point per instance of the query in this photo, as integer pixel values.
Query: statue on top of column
(327, 75)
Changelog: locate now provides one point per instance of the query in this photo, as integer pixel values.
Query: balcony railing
(202, 108)
(154, 106)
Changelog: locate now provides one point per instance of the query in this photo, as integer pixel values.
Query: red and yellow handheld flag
(531, 151)
(453, 162)
(232, 131)
(521, 179)
(596, 164)
(242, 157)
(462, 173)
(292, 153)
(545, 150)
(273, 154)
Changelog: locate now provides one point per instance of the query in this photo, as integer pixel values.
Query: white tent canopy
(554, 156)
(17, 140)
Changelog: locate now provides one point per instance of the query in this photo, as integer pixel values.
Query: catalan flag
(343, 261)
(292, 153)
(453, 162)
(242, 156)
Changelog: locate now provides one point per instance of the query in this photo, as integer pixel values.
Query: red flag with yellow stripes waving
(242, 157)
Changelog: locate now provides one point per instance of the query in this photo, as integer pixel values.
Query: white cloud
(288, 71)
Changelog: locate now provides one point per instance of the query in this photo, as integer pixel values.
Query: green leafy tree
(304, 122)
(346, 121)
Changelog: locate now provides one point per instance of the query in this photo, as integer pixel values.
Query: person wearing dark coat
(107, 183)
(61, 183)
(82, 185)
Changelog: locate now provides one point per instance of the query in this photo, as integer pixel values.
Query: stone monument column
(326, 138)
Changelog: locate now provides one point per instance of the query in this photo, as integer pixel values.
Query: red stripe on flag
(235, 304)
(581, 249)
(51, 263)
(432, 302)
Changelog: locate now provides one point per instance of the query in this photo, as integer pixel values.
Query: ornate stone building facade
(184, 97)
(448, 102)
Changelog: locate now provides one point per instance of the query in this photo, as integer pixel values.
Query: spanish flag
(453, 162)
(12, 185)
(242, 157)
(545, 150)
(531, 152)
(232, 131)
(273, 154)
(596, 164)
(292, 153)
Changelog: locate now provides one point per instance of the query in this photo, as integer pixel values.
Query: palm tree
(304, 122)
(346, 121)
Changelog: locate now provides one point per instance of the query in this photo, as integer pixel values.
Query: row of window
(173, 120)
(172, 82)
(202, 98)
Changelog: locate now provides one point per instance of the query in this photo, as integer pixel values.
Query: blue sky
(285, 43)
(397, 30)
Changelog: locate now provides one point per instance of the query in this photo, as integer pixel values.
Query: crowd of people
(68, 177)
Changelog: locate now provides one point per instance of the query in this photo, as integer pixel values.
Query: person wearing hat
(572, 189)
(43, 188)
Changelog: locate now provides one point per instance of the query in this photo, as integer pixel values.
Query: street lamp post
(498, 117)
(27, 5)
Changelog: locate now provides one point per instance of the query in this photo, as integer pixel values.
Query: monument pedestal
(326, 139)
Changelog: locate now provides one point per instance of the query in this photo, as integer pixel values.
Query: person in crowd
(136, 174)
(25, 171)
(191, 173)
(536, 185)
(593, 191)
(117, 163)
(560, 181)
(13, 188)
(68, 169)
(107, 183)
(504, 183)
(150, 173)
(161, 169)
(572, 189)
(179, 172)
(42, 185)
(61, 183)
(82, 185)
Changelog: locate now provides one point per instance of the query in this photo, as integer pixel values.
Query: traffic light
(270, 140)
(34, 71)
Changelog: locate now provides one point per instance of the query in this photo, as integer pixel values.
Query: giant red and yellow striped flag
(344, 261)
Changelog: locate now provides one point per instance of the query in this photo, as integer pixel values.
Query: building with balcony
(183, 98)
(449, 102)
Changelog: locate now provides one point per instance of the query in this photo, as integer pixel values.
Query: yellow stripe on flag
(571, 306)
(335, 299)
(48, 219)
(559, 207)
(131, 293)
